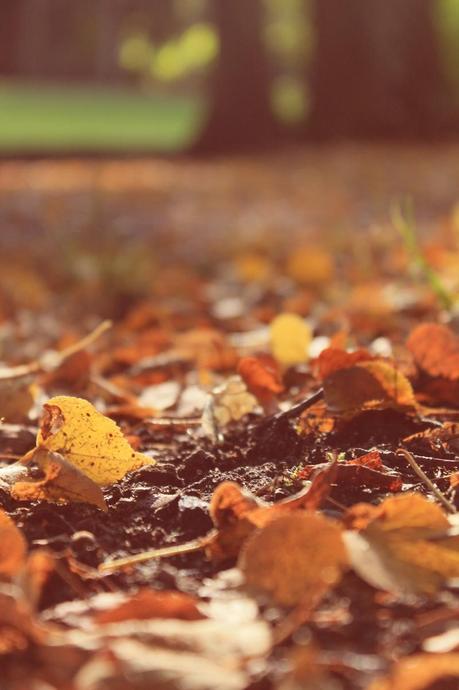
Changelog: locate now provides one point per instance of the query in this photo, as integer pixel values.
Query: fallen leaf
(419, 672)
(207, 347)
(295, 558)
(16, 399)
(353, 473)
(62, 482)
(368, 384)
(87, 439)
(236, 513)
(334, 359)
(13, 547)
(227, 403)
(18, 626)
(444, 439)
(148, 603)
(290, 339)
(402, 545)
(261, 375)
(74, 371)
(161, 396)
(435, 349)
(39, 567)
(310, 265)
(372, 460)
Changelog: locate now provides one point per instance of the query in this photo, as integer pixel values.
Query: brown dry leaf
(62, 482)
(419, 672)
(435, 349)
(13, 547)
(87, 439)
(295, 559)
(402, 545)
(370, 384)
(73, 372)
(355, 473)
(148, 603)
(290, 339)
(372, 460)
(444, 438)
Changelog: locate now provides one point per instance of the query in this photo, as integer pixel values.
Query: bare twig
(42, 365)
(166, 551)
(422, 475)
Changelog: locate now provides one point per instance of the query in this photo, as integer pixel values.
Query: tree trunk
(240, 116)
(377, 71)
(108, 25)
(34, 44)
(9, 33)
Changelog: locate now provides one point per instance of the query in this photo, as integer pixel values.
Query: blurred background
(211, 76)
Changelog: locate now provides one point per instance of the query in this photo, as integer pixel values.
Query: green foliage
(181, 56)
(289, 99)
(43, 117)
(447, 22)
(404, 222)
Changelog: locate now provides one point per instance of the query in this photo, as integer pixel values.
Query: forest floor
(282, 362)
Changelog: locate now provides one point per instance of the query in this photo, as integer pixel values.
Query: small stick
(422, 475)
(173, 422)
(176, 550)
(298, 409)
(86, 340)
(39, 365)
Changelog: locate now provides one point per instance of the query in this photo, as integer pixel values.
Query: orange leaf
(13, 547)
(419, 672)
(435, 349)
(261, 375)
(148, 603)
(333, 359)
(295, 558)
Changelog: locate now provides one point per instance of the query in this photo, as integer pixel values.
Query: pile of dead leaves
(248, 480)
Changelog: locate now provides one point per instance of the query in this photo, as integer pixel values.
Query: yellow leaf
(86, 438)
(290, 339)
(404, 545)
